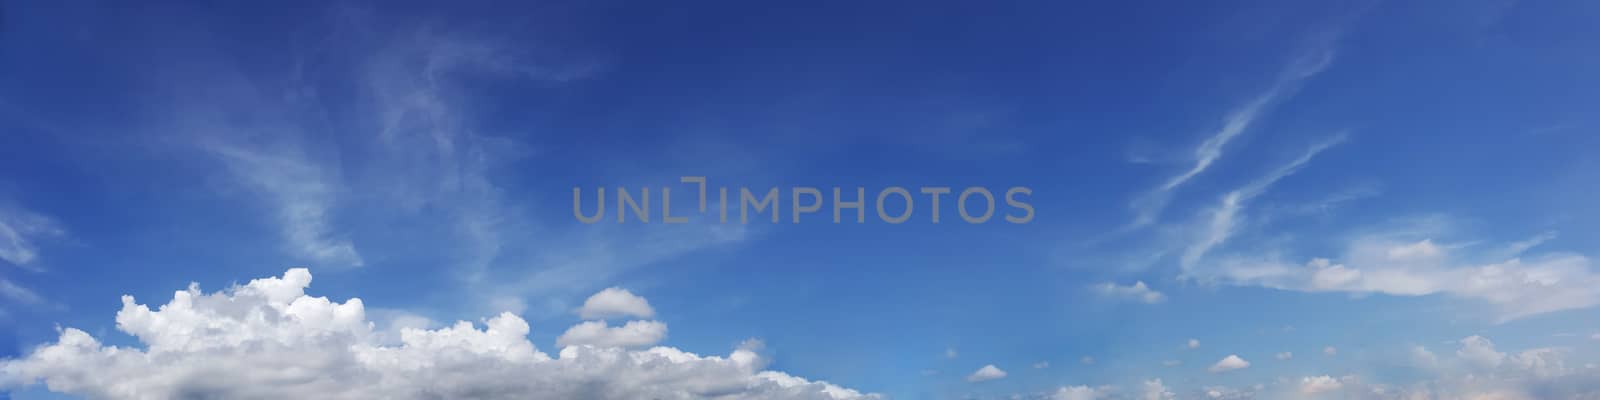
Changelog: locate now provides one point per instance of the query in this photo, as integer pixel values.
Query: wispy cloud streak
(1148, 207)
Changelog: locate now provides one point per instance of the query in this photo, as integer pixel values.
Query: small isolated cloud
(268, 339)
(1330, 350)
(1284, 355)
(950, 353)
(1193, 344)
(1086, 360)
(1229, 363)
(1041, 365)
(1319, 384)
(597, 333)
(987, 373)
(1138, 291)
(615, 302)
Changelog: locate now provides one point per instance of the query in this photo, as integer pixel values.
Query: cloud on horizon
(268, 339)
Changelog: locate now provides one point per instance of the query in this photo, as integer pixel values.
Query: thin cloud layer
(1138, 291)
(269, 340)
(1148, 207)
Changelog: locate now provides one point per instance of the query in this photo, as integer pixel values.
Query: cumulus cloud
(597, 333)
(987, 373)
(268, 339)
(1229, 363)
(1319, 384)
(1138, 291)
(1193, 344)
(1079, 393)
(1480, 352)
(1155, 390)
(615, 302)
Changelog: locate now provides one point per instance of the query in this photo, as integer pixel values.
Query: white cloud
(1319, 384)
(1135, 292)
(597, 333)
(1079, 393)
(1149, 206)
(1284, 355)
(20, 231)
(1479, 351)
(303, 195)
(1222, 221)
(1422, 357)
(950, 353)
(1330, 351)
(1155, 390)
(987, 373)
(269, 340)
(1193, 343)
(1086, 360)
(1476, 371)
(1378, 263)
(1229, 363)
(615, 302)
(1041, 365)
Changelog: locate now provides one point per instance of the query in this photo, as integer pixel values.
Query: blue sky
(1360, 200)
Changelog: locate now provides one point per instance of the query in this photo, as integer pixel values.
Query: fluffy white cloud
(269, 340)
(1319, 384)
(1138, 291)
(1079, 393)
(615, 302)
(1155, 390)
(1193, 343)
(987, 373)
(597, 333)
(1284, 355)
(1479, 351)
(1229, 363)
